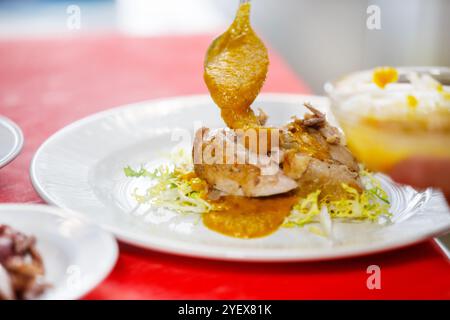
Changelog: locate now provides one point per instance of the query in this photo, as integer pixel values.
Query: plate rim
(18, 143)
(67, 214)
(210, 252)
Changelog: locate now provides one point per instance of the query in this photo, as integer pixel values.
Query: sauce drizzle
(235, 69)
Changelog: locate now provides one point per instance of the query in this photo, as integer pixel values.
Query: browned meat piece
(311, 157)
(316, 119)
(227, 165)
(342, 155)
(327, 177)
(331, 134)
(316, 158)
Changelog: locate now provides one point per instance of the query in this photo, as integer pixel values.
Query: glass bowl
(384, 126)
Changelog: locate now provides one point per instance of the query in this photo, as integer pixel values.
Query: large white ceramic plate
(11, 141)
(77, 255)
(81, 168)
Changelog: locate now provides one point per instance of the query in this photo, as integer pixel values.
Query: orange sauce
(243, 217)
(235, 69)
(306, 142)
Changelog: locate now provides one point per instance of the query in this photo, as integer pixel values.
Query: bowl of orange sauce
(391, 114)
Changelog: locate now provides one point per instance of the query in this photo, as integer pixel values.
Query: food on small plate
(249, 179)
(21, 267)
(390, 114)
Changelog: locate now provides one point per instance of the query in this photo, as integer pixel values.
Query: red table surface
(46, 84)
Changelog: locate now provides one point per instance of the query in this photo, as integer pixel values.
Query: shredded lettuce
(372, 185)
(142, 172)
(174, 186)
(317, 231)
(305, 211)
(370, 204)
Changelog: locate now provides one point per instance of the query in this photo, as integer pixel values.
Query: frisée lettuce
(175, 186)
(370, 204)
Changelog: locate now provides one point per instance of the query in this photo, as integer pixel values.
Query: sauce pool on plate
(243, 217)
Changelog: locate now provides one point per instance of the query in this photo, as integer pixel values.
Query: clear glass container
(409, 117)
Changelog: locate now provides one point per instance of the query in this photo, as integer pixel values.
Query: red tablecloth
(47, 84)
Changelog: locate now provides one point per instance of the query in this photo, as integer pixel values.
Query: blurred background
(320, 40)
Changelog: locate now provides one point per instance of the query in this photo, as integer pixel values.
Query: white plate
(77, 255)
(81, 168)
(11, 141)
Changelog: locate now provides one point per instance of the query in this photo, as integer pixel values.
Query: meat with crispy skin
(229, 166)
(310, 155)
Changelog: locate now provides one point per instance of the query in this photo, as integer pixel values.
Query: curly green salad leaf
(173, 186)
(371, 204)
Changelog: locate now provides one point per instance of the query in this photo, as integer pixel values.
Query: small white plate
(81, 168)
(77, 255)
(11, 141)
